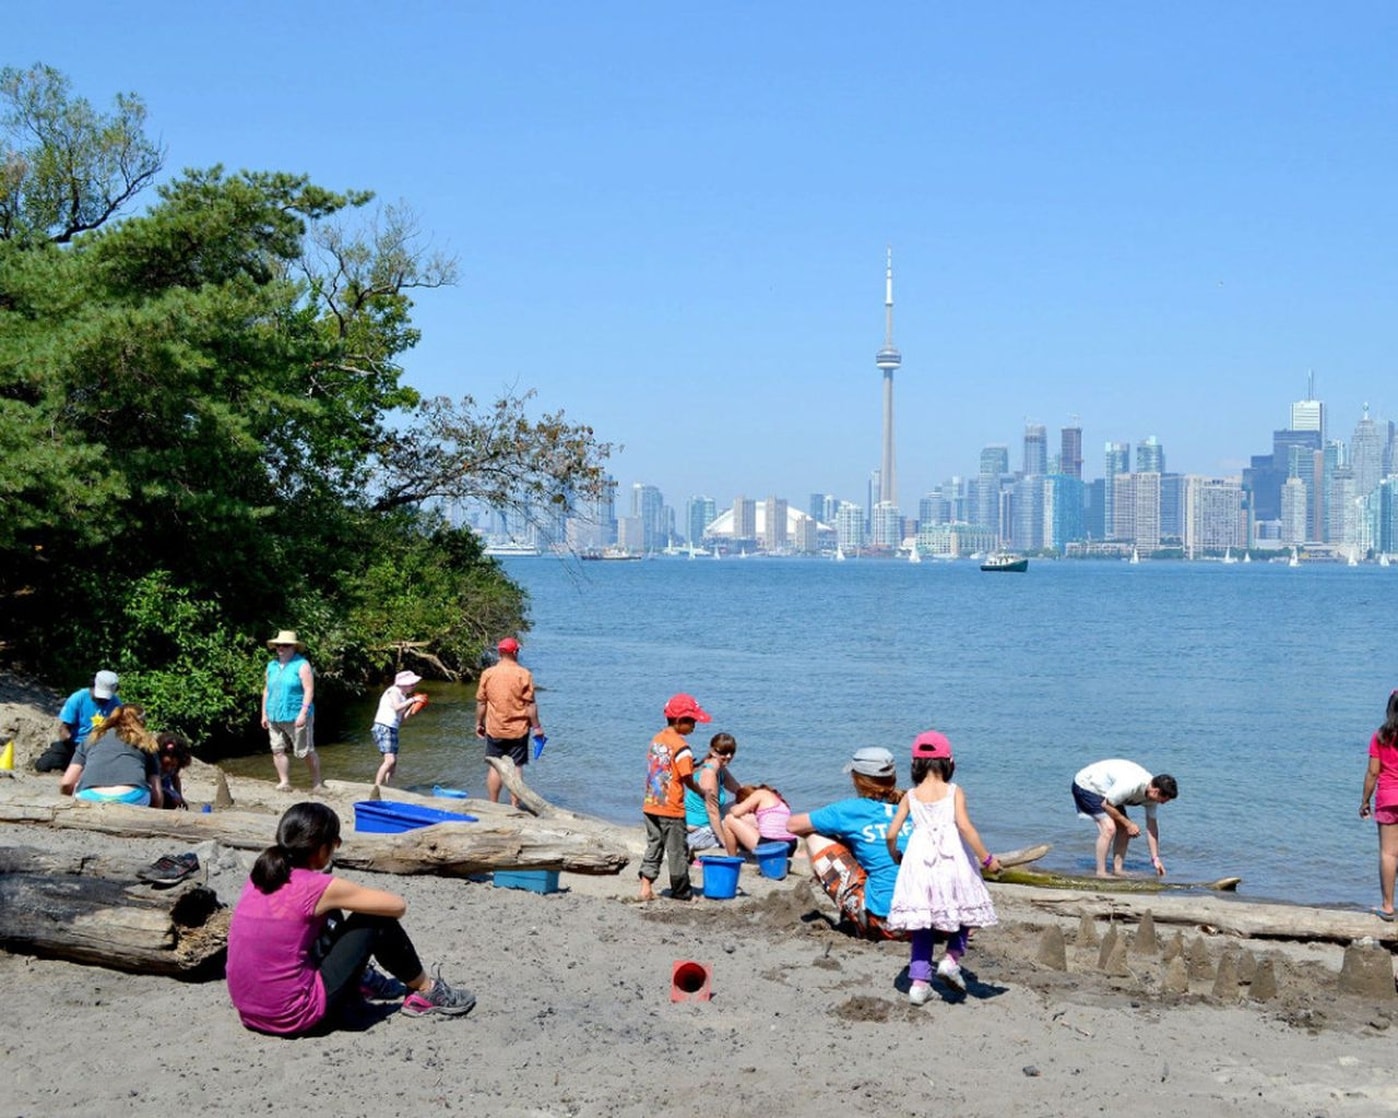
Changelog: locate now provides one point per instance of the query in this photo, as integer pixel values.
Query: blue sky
(671, 218)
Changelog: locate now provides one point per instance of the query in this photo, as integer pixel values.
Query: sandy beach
(575, 1017)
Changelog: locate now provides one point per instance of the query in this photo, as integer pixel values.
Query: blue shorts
(1089, 804)
(386, 737)
(138, 796)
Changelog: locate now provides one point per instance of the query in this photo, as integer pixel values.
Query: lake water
(1256, 685)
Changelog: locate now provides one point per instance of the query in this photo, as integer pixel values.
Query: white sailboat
(1353, 561)
(1383, 559)
(1135, 556)
(1295, 560)
(1228, 556)
(839, 554)
(914, 556)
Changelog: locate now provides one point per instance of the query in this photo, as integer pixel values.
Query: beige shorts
(287, 735)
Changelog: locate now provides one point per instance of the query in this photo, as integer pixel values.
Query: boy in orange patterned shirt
(670, 769)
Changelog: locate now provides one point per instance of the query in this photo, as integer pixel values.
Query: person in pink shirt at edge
(294, 958)
(506, 713)
(1382, 775)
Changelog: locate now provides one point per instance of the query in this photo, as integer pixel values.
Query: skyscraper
(1070, 450)
(888, 359)
(1309, 414)
(1366, 455)
(1118, 461)
(1035, 450)
(1150, 456)
(647, 506)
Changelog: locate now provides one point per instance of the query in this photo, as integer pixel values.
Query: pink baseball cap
(931, 746)
(509, 644)
(686, 706)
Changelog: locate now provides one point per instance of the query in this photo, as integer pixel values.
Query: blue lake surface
(1256, 685)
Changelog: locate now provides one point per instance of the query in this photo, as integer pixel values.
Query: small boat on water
(511, 547)
(1005, 561)
(611, 553)
(1228, 556)
(914, 556)
(1295, 560)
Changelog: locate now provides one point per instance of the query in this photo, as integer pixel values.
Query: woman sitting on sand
(117, 764)
(292, 959)
(845, 842)
(760, 815)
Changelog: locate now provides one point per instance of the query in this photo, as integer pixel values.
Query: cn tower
(888, 359)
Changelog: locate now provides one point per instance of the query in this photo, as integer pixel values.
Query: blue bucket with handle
(720, 876)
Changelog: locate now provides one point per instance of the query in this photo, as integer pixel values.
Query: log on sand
(1215, 914)
(448, 849)
(92, 910)
(1046, 879)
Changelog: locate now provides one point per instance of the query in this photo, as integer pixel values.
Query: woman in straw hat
(288, 709)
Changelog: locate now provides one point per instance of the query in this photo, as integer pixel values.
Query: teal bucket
(720, 876)
(771, 859)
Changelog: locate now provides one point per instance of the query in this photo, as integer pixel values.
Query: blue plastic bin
(384, 817)
(720, 876)
(536, 881)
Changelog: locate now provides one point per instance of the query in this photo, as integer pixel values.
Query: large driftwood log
(449, 849)
(93, 910)
(1212, 914)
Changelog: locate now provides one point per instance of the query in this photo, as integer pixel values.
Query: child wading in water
(939, 894)
(1383, 776)
(395, 704)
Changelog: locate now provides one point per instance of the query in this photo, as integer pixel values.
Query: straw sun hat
(286, 636)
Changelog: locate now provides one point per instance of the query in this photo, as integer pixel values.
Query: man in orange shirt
(670, 769)
(505, 713)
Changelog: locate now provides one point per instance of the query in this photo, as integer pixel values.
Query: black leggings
(347, 944)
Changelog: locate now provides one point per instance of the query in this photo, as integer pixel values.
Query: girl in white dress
(939, 893)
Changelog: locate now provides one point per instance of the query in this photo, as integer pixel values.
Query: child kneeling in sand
(291, 962)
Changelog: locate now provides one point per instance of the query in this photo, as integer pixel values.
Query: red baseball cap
(686, 706)
(932, 746)
(509, 644)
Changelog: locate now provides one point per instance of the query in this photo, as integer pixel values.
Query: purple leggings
(923, 940)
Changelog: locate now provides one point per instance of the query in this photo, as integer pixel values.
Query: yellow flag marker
(7, 757)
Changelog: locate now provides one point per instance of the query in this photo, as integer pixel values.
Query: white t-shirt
(1120, 783)
(392, 704)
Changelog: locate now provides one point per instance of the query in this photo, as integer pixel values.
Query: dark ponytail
(303, 830)
(1388, 732)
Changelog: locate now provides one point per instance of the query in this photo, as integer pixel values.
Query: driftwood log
(1215, 914)
(93, 910)
(447, 849)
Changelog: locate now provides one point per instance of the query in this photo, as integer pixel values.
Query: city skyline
(667, 225)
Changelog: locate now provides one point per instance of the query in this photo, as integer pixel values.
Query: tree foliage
(64, 167)
(206, 433)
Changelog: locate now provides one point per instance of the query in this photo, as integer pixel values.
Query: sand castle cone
(222, 797)
(1176, 979)
(1145, 942)
(1264, 982)
(1087, 932)
(1108, 945)
(1053, 949)
(7, 757)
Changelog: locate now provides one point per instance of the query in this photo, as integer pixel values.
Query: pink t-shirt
(1386, 794)
(274, 984)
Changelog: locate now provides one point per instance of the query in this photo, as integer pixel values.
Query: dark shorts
(516, 749)
(1088, 803)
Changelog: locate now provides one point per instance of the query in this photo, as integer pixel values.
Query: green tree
(206, 434)
(64, 167)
